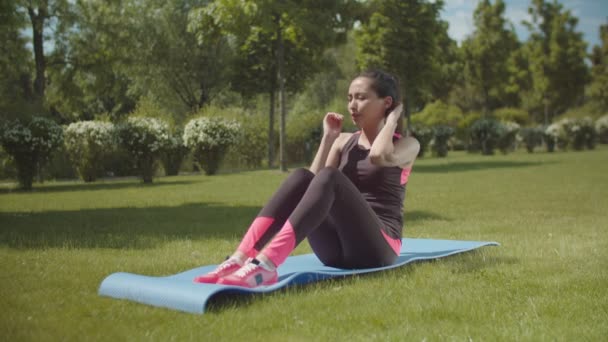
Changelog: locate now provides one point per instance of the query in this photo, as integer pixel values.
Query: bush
(582, 133)
(532, 137)
(463, 131)
(441, 136)
(601, 127)
(144, 139)
(88, 143)
(438, 113)
(303, 133)
(517, 115)
(209, 138)
(252, 145)
(556, 136)
(174, 153)
(579, 133)
(30, 146)
(424, 135)
(508, 137)
(485, 134)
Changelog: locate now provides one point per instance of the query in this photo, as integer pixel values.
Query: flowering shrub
(174, 153)
(87, 143)
(441, 136)
(508, 136)
(144, 139)
(555, 134)
(601, 127)
(485, 134)
(209, 138)
(582, 133)
(30, 145)
(579, 133)
(424, 135)
(532, 137)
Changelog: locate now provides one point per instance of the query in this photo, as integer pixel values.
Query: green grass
(547, 280)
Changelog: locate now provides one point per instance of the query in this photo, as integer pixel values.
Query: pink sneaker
(226, 268)
(252, 274)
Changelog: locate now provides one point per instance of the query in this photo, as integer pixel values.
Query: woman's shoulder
(343, 139)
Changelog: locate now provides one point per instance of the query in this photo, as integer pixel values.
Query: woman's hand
(332, 125)
(395, 114)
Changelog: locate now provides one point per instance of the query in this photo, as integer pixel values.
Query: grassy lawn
(547, 281)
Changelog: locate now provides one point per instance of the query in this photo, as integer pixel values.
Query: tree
(487, 52)
(556, 52)
(41, 13)
(598, 90)
(274, 33)
(15, 61)
(401, 36)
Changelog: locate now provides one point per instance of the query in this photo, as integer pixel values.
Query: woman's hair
(385, 84)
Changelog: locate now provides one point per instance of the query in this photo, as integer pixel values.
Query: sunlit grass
(547, 280)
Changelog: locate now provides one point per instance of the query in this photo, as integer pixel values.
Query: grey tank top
(382, 187)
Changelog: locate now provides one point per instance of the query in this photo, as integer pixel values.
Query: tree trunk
(37, 20)
(271, 128)
(281, 73)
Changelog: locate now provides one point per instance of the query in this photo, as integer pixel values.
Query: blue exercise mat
(179, 292)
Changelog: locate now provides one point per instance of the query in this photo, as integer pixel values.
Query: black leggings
(342, 229)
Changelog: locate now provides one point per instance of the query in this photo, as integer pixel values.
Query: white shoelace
(245, 270)
(225, 265)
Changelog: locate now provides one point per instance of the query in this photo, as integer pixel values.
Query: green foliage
(486, 55)
(517, 115)
(601, 127)
(598, 89)
(532, 137)
(381, 38)
(424, 135)
(438, 113)
(583, 134)
(485, 134)
(557, 53)
(304, 131)
(507, 140)
(252, 144)
(144, 139)
(30, 145)
(209, 138)
(88, 143)
(15, 62)
(577, 133)
(441, 138)
(174, 153)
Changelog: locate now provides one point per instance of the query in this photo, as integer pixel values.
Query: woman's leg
(342, 228)
(268, 222)
(276, 211)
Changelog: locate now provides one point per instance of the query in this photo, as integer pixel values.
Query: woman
(349, 204)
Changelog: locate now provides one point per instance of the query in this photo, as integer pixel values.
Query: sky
(591, 14)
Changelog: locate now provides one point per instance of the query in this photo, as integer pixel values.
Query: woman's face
(364, 105)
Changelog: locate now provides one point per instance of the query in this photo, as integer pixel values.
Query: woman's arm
(332, 126)
(384, 153)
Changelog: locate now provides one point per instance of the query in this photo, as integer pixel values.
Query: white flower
(208, 133)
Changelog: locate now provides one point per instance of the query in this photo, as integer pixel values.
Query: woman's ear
(388, 102)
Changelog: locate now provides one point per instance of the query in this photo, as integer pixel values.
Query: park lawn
(547, 281)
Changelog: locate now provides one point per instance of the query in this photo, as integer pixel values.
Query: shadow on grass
(109, 185)
(135, 228)
(474, 166)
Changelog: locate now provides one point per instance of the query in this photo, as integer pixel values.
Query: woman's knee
(302, 175)
(327, 175)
